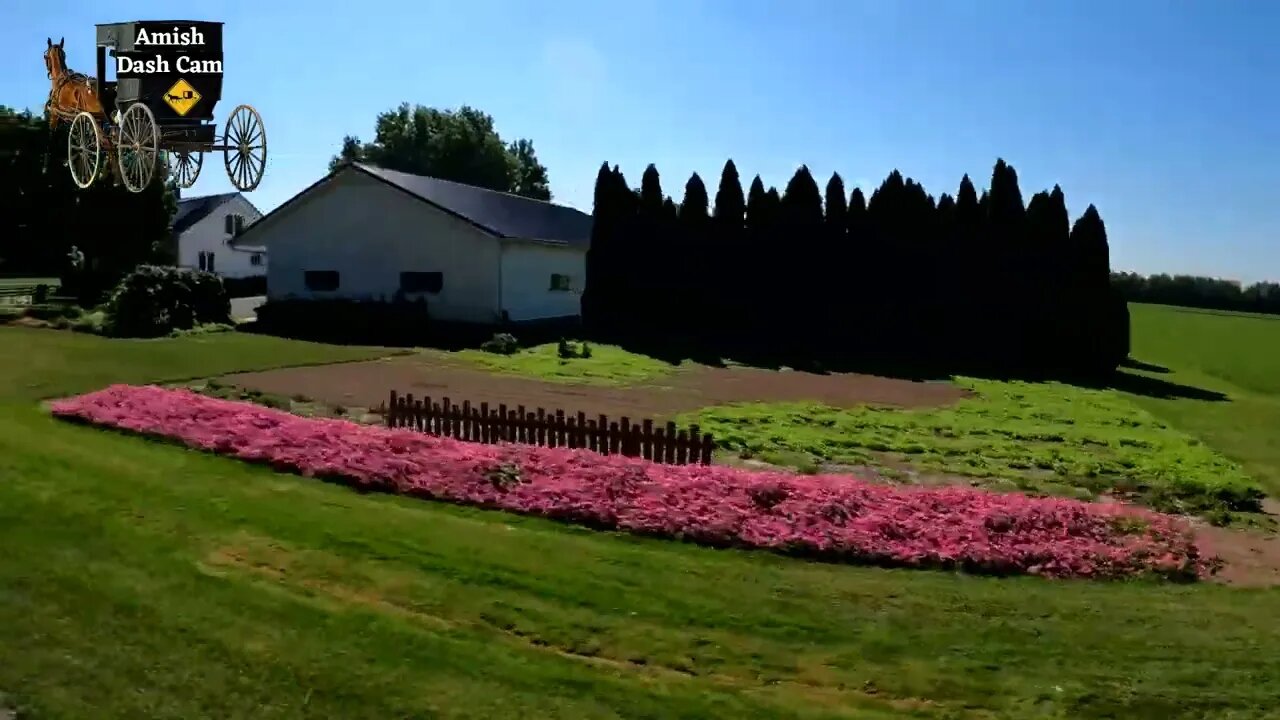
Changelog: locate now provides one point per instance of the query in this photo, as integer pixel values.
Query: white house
(475, 255)
(204, 228)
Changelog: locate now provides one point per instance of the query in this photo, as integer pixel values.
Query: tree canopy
(460, 145)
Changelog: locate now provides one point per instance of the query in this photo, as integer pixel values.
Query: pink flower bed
(835, 517)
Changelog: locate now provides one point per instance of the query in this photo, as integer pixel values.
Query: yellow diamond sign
(182, 97)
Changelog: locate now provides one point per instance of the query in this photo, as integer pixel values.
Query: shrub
(501, 344)
(376, 322)
(41, 294)
(569, 351)
(245, 286)
(204, 329)
(154, 301)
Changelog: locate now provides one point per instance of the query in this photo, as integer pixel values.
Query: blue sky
(1165, 114)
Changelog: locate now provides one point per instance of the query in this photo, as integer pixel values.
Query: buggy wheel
(245, 153)
(84, 149)
(184, 166)
(138, 148)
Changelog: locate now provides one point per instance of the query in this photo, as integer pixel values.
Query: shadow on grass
(1135, 364)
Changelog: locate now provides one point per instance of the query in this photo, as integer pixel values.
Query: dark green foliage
(460, 145)
(344, 321)
(1198, 292)
(971, 281)
(154, 301)
(43, 214)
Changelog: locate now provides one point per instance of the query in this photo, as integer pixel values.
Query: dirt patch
(1250, 558)
(366, 384)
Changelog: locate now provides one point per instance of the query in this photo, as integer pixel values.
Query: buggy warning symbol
(182, 97)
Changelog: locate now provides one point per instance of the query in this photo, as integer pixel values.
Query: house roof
(193, 210)
(500, 214)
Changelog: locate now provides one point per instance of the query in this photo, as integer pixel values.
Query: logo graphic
(182, 97)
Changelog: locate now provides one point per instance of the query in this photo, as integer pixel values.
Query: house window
(203, 261)
(560, 282)
(418, 282)
(321, 280)
(209, 261)
(234, 224)
(255, 259)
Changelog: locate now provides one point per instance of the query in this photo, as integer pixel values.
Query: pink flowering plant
(827, 516)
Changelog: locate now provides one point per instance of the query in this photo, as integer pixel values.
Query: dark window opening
(416, 282)
(209, 262)
(321, 280)
(255, 259)
(202, 260)
(234, 224)
(560, 282)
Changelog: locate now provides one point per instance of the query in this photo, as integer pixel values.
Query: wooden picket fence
(481, 423)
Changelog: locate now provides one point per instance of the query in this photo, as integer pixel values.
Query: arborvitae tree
(757, 207)
(597, 306)
(1101, 315)
(730, 256)
(693, 210)
(1006, 209)
(772, 210)
(837, 209)
(968, 211)
(695, 249)
(857, 220)
(1091, 263)
(946, 218)
(731, 206)
(802, 206)
(651, 194)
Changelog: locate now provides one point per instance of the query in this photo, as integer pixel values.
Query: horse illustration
(70, 92)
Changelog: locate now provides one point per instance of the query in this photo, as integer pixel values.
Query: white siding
(209, 235)
(370, 232)
(526, 280)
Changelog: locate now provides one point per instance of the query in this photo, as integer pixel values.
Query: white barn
(474, 255)
(204, 231)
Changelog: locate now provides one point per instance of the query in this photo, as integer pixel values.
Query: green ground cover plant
(1045, 437)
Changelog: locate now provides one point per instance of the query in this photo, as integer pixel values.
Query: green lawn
(608, 365)
(143, 580)
(1238, 355)
(7, 282)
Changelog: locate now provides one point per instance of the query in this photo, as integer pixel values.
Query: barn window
(234, 224)
(418, 282)
(209, 261)
(203, 261)
(560, 282)
(321, 280)
(255, 259)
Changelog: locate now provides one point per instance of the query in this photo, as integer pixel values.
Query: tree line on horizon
(1197, 291)
(965, 280)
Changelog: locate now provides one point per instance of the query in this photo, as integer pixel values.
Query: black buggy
(167, 112)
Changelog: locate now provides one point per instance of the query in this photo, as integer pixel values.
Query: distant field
(1232, 353)
(1243, 350)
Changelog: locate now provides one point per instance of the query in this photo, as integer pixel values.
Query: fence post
(391, 411)
(669, 453)
(647, 439)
